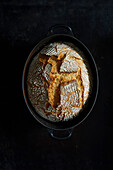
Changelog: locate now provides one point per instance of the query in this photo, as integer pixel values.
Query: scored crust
(56, 78)
(65, 79)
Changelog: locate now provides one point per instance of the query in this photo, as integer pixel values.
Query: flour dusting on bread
(58, 81)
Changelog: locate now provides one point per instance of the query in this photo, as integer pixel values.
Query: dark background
(24, 143)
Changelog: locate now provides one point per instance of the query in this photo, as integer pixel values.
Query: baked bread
(65, 82)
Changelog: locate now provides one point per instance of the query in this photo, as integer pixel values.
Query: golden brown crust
(57, 79)
(43, 58)
(53, 91)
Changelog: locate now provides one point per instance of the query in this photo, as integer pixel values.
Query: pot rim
(24, 72)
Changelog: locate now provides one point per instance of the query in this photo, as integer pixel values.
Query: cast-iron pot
(67, 37)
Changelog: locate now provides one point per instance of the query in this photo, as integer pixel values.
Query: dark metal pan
(67, 37)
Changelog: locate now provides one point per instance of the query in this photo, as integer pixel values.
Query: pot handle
(60, 29)
(60, 134)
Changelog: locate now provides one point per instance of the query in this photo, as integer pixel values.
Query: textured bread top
(63, 80)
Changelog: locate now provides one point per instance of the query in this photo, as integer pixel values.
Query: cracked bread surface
(64, 82)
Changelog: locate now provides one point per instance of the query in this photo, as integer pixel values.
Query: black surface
(24, 143)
